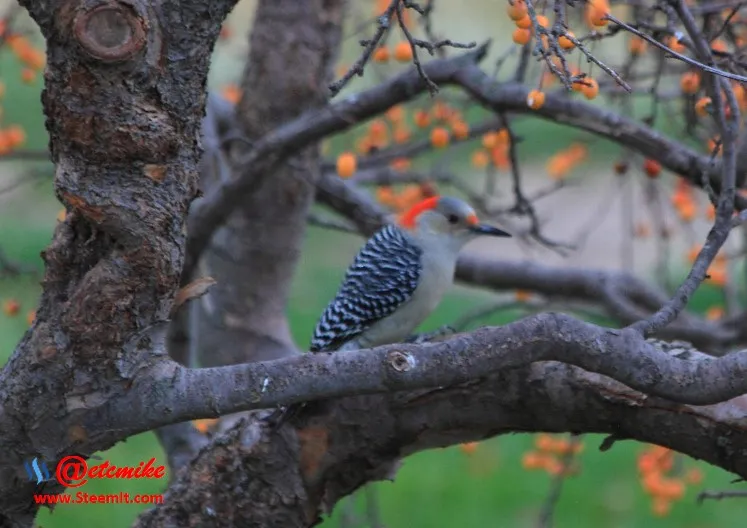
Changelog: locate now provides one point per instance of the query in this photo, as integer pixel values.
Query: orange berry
(524, 23)
(521, 36)
(565, 42)
(61, 215)
(480, 159)
(403, 52)
(381, 55)
(535, 99)
(702, 107)
(460, 129)
(714, 148)
(637, 46)
(651, 167)
(690, 83)
(517, 10)
(523, 296)
(468, 448)
(31, 317)
(532, 460)
(378, 129)
(544, 442)
(401, 134)
(439, 137)
(687, 211)
(590, 89)
(11, 307)
(559, 165)
(441, 111)
(672, 489)
(346, 164)
(16, 136)
(714, 313)
(578, 85)
(543, 21)
(490, 140)
(28, 75)
(421, 119)
(646, 464)
(395, 113)
(231, 93)
(596, 10)
(499, 156)
(719, 45)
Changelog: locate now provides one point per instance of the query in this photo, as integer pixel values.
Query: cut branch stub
(401, 361)
(112, 32)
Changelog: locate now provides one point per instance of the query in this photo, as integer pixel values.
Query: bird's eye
(453, 219)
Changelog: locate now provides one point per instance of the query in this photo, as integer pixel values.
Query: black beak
(484, 229)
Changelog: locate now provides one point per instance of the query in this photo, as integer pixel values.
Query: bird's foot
(436, 335)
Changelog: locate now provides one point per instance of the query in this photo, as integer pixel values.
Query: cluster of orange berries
(11, 138)
(547, 455)
(595, 13)
(403, 200)
(655, 465)
(383, 131)
(34, 59)
(684, 200)
(561, 163)
(11, 308)
(495, 146)
(402, 52)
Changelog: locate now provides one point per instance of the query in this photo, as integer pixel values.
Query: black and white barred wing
(382, 277)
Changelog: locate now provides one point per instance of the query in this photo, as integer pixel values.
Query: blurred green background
(446, 487)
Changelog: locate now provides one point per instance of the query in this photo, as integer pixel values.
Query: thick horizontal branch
(172, 393)
(322, 462)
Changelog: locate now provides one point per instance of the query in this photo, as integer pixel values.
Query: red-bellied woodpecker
(399, 277)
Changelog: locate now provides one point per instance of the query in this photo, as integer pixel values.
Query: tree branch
(340, 445)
